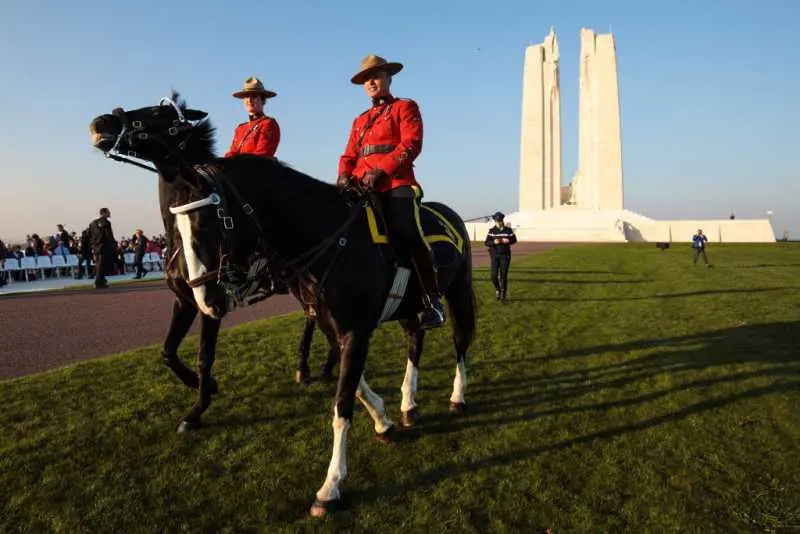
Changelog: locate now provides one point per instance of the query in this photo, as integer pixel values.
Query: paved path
(44, 330)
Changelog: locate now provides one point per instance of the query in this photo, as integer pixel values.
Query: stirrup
(433, 315)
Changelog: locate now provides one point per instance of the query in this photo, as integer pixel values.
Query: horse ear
(194, 114)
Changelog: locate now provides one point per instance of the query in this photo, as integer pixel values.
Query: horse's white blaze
(193, 263)
(459, 384)
(337, 469)
(374, 405)
(409, 387)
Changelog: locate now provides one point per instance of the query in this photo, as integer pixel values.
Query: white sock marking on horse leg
(195, 267)
(409, 387)
(337, 469)
(374, 405)
(459, 384)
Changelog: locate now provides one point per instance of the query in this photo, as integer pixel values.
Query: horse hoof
(323, 508)
(409, 419)
(457, 407)
(386, 436)
(189, 426)
(302, 377)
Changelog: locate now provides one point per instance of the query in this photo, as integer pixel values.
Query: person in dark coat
(499, 240)
(139, 250)
(103, 247)
(699, 241)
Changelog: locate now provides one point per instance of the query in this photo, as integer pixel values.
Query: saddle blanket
(446, 243)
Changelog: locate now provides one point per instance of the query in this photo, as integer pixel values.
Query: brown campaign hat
(253, 86)
(372, 63)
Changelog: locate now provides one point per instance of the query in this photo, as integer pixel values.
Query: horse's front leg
(353, 357)
(334, 350)
(409, 413)
(205, 361)
(303, 372)
(183, 315)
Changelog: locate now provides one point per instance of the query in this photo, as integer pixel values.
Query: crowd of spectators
(66, 243)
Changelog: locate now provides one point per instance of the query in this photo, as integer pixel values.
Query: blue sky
(709, 96)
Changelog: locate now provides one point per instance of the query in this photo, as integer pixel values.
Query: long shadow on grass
(542, 270)
(711, 362)
(452, 470)
(517, 279)
(663, 295)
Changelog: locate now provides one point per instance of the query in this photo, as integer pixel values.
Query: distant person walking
(499, 240)
(103, 247)
(699, 245)
(139, 251)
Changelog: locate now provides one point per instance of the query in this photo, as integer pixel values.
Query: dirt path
(42, 331)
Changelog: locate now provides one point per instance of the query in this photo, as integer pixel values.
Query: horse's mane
(302, 184)
(201, 146)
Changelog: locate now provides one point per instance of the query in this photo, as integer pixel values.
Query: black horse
(227, 220)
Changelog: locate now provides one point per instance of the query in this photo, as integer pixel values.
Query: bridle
(135, 128)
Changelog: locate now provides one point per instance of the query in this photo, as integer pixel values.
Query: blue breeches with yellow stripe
(400, 210)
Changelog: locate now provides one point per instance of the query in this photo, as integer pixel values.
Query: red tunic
(388, 136)
(258, 136)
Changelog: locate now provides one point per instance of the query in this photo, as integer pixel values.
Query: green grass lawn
(621, 389)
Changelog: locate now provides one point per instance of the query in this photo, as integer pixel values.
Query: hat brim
(265, 94)
(391, 69)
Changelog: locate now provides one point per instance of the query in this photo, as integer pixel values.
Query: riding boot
(432, 316)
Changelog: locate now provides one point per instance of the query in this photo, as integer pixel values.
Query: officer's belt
(366, 150)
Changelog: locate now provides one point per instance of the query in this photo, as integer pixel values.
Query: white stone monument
(591, 207)
(599, 177)
(540, 137)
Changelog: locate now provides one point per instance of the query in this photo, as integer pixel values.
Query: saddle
(446, 243)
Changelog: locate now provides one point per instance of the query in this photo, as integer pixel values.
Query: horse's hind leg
(409, 414)
(461, 300)
(183, 314)
(205, 361)
(303, 372)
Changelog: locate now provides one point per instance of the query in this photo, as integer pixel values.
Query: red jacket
(258, 136)
(388, 136)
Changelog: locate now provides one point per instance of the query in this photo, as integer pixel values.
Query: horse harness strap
(298, 265)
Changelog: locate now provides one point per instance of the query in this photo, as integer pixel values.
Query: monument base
(571, 224)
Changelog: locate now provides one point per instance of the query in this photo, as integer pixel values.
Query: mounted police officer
(499, 240)
(383, 144)
(260, 135)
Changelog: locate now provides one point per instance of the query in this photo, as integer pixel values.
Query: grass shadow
(716, 355)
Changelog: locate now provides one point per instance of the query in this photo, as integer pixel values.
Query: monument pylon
(598, 183)
(540, 138)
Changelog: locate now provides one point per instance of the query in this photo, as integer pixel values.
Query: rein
(298, 265)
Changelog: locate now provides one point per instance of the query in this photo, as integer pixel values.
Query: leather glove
(372, 176)
(343, 181)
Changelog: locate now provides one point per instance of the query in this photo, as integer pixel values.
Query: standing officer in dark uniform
(103, 247)
(138, 258)
(499, 240)
(384, 141)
